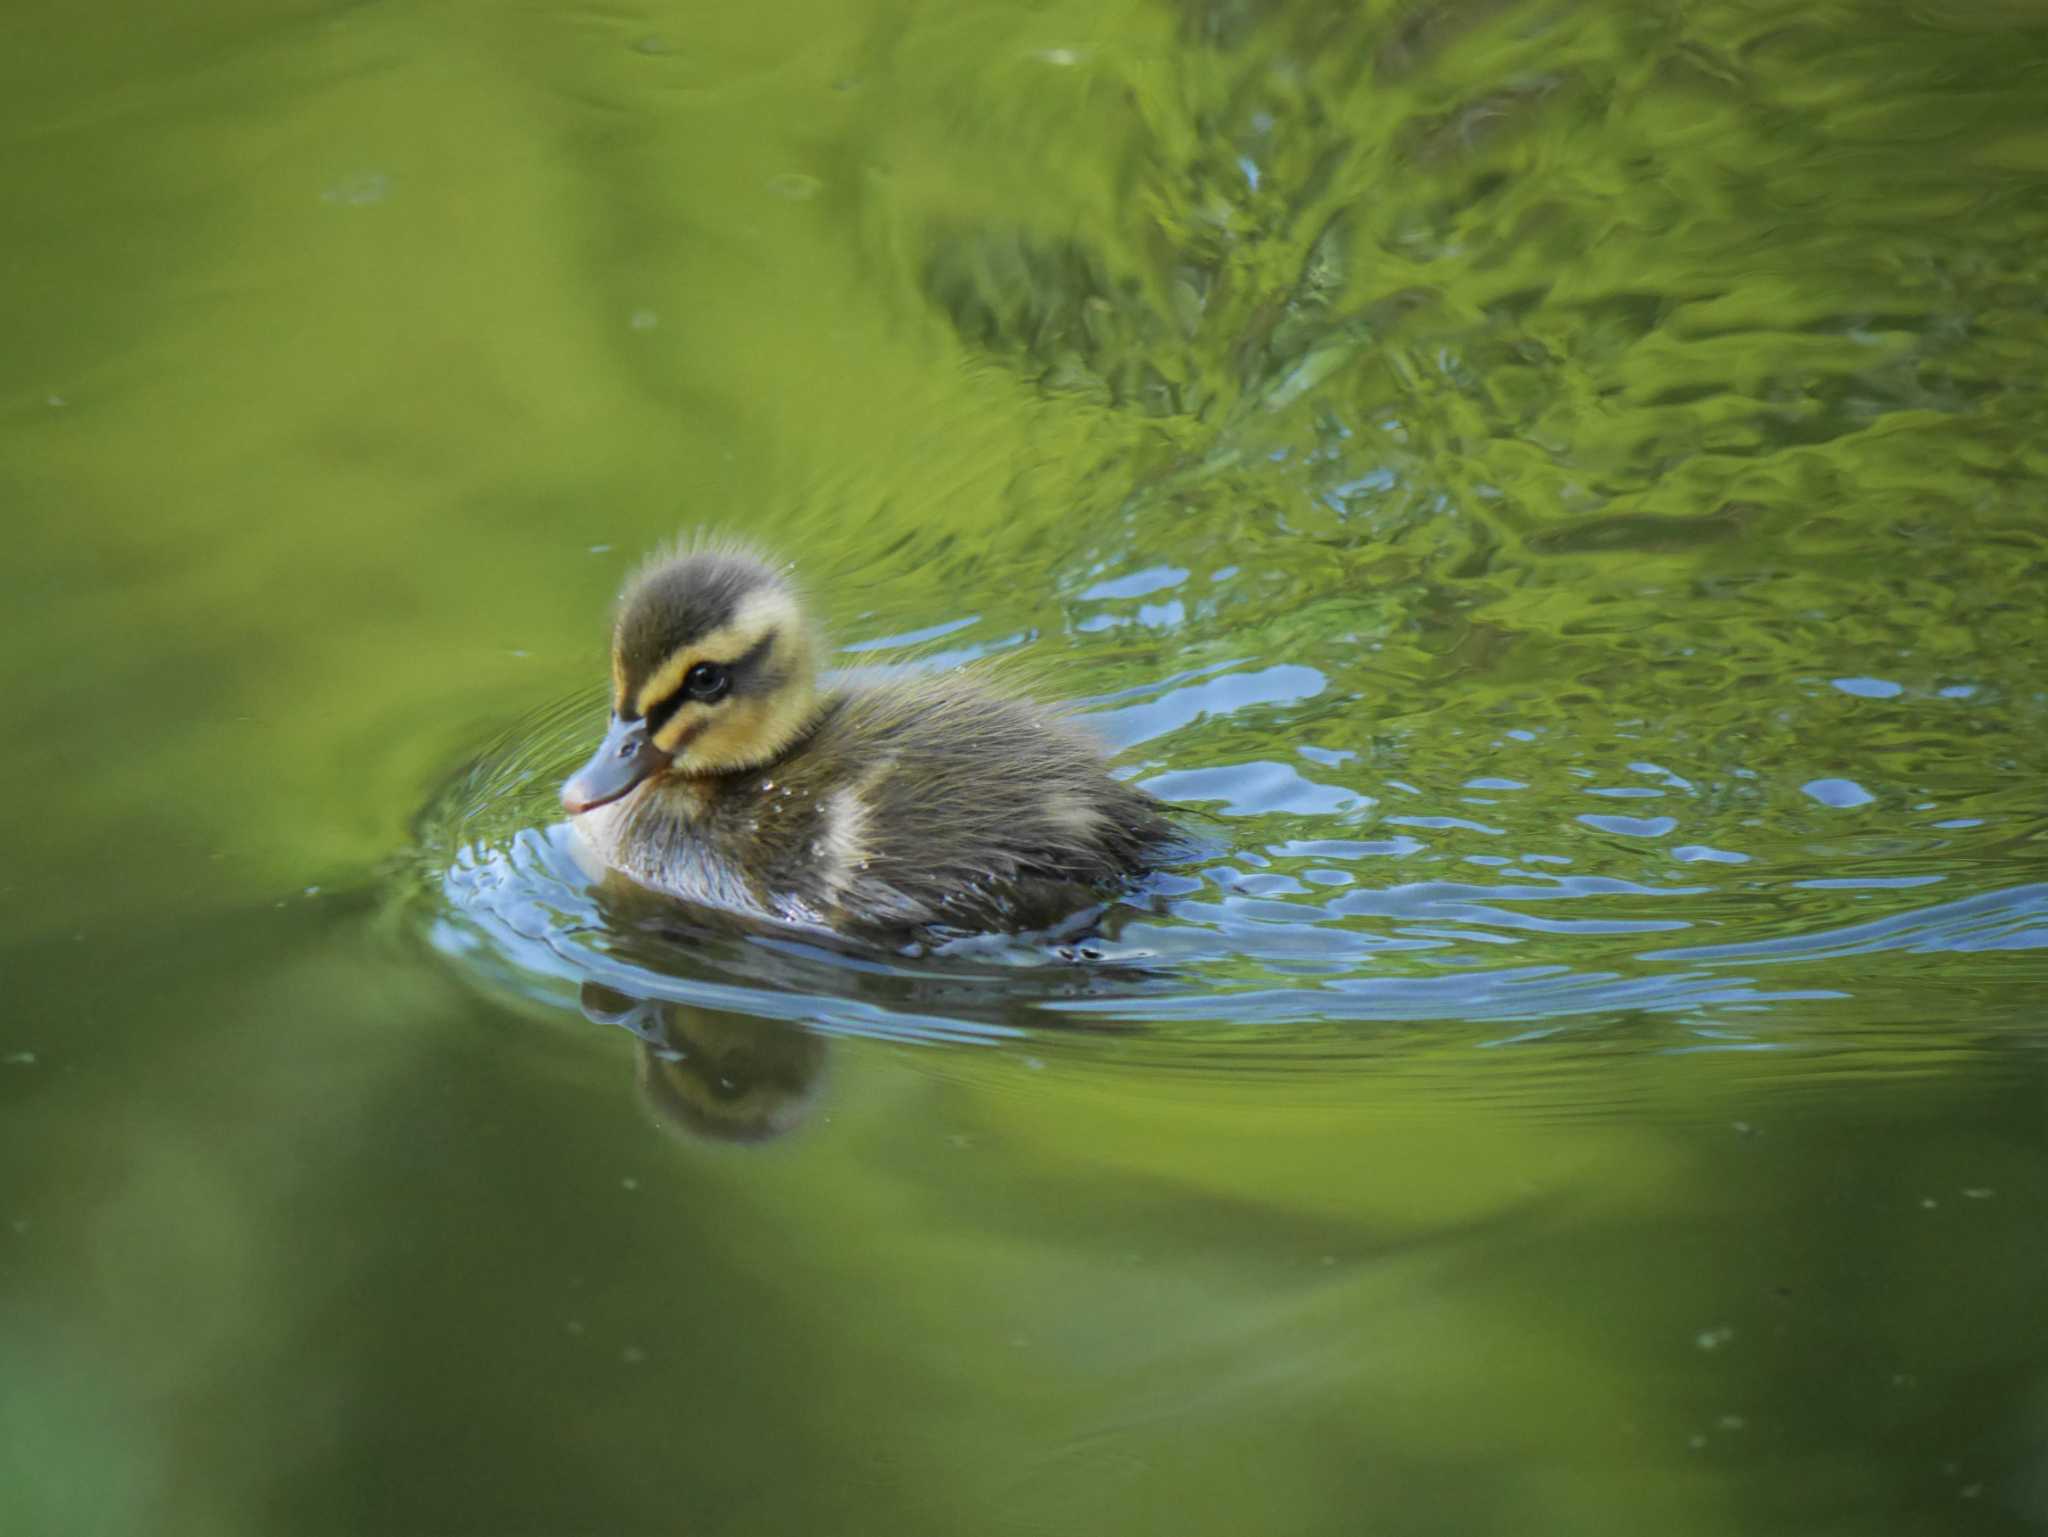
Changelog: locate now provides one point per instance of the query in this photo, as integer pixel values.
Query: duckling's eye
(707, 682)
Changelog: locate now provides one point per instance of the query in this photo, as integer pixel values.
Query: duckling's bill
(622, 761)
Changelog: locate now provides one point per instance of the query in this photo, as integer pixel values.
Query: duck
(734, 774)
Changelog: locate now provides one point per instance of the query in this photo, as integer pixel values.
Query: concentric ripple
(1336, 892)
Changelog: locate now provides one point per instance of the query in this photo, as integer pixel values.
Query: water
(1555, 493)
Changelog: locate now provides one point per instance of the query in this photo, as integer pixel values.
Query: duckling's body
(873, 809)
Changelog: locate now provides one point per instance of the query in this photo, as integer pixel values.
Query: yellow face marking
(737, 732)
(688, 720)
(741, 732)
(758, 614)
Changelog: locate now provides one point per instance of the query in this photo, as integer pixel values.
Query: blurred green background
(1561, 486)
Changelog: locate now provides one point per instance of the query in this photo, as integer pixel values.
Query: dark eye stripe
(748, 673)
(658, 713)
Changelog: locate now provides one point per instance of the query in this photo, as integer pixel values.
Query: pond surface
(1555, 493)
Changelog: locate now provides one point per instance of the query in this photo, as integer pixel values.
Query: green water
(1557, 492)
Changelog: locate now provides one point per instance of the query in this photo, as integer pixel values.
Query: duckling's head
(714, 669)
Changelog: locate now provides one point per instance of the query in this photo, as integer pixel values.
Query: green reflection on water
(1563, 486)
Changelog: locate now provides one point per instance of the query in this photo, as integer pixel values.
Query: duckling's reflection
(722, 1077)
(740, 1076)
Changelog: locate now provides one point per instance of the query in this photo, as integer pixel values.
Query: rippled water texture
(1556, 494)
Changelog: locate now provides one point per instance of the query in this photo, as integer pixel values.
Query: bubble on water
(1869, 688)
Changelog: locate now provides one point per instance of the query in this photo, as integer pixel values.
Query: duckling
(732, 777)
